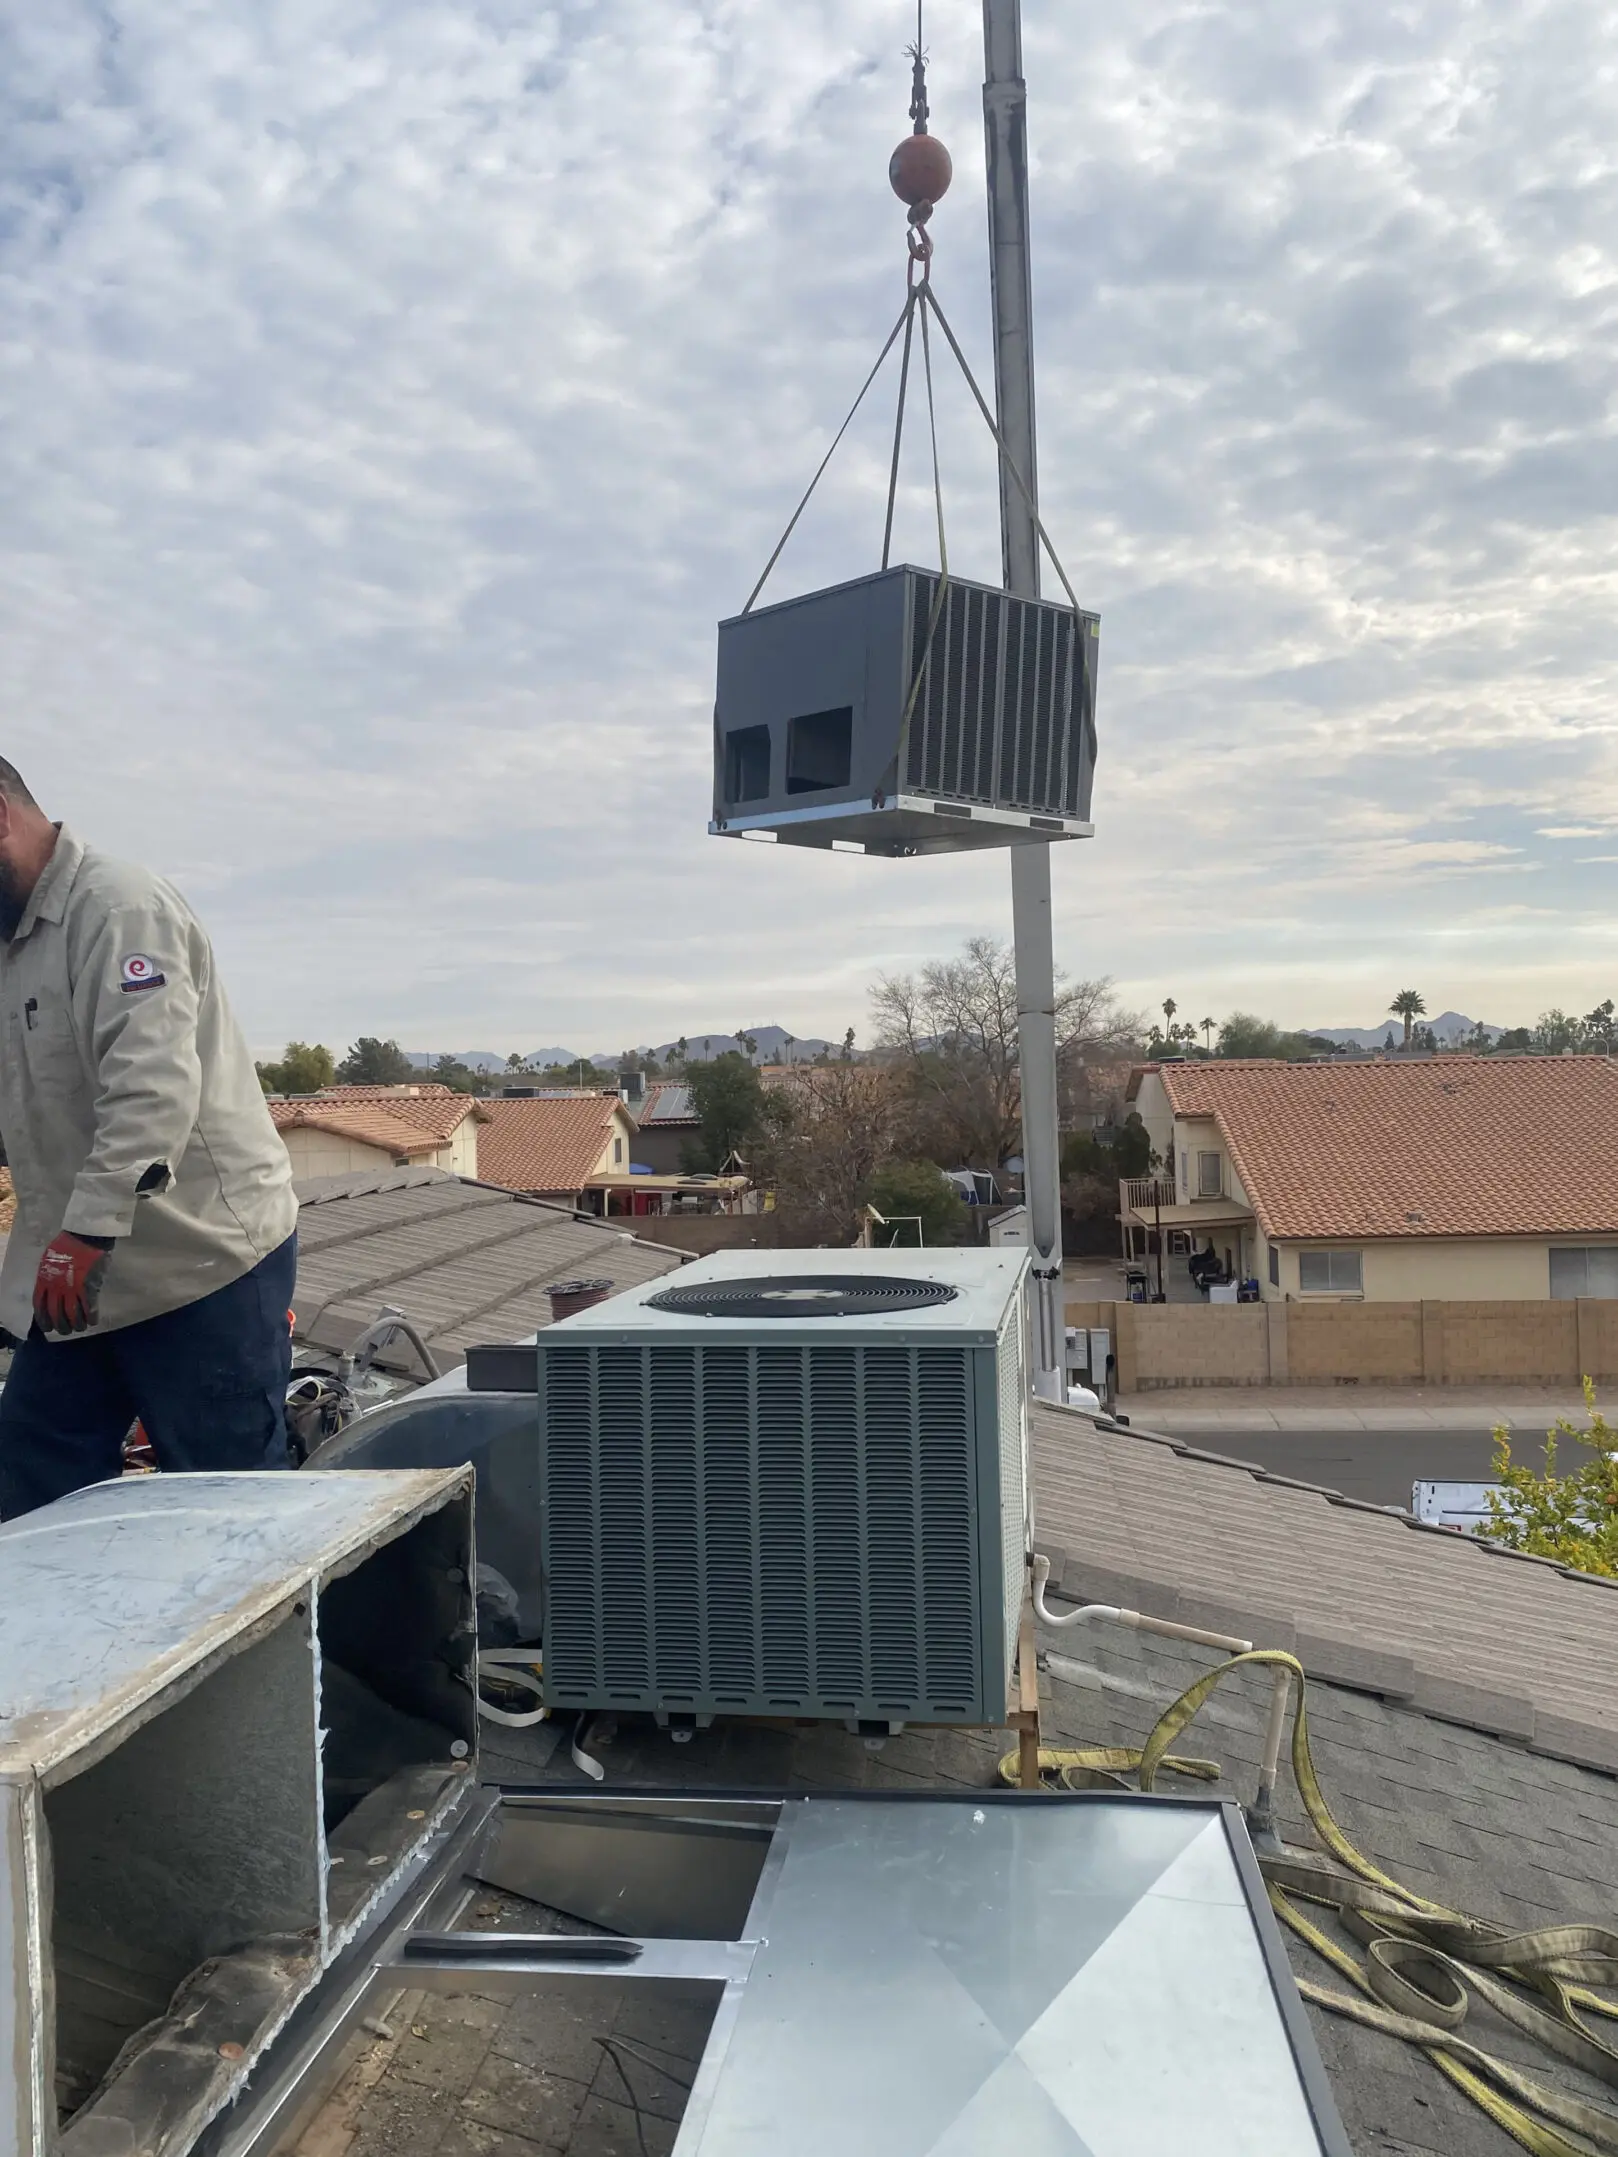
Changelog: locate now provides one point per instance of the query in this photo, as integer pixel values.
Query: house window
(1330, 1273)
(617, 1152)
(1590, 1271)
(1275, 1267)
(1210, 1176)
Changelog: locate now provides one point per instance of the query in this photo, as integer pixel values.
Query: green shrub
(1572, 1518)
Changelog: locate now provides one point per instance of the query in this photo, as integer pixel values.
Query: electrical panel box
(793, 1483)
(877, 715)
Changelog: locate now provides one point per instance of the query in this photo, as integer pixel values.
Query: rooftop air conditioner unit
(874, 714)
(790, 1483)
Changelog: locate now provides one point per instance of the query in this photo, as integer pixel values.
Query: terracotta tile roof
(366, 1124)
(1450, 1146)
(546, 1144)
(434, 1108)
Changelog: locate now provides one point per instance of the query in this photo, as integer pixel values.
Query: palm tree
(1408, 1006)
(1207, 1026)
(1169, 1009)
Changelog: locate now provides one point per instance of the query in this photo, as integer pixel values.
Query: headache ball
(920, 170)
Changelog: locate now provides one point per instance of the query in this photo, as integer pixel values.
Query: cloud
(394, 395)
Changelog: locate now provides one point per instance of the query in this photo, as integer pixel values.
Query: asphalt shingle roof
(464, 1262)
(546, 1144)
(1446, 1146)
(1462, 1629)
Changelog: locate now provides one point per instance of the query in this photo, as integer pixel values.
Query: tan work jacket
(129, 1105)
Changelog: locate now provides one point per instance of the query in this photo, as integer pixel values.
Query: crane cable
(1421, 1957)
(919, 297)
(920, 300)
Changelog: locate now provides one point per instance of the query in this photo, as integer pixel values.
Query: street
(1376, 1465)
(1373, 1449)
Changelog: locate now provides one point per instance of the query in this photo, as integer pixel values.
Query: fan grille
(802, 1295)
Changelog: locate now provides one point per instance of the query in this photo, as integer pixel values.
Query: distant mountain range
(1447, 1027)
(773, 1045)
(487, 1059)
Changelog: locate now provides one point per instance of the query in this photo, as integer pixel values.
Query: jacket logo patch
(139, 972)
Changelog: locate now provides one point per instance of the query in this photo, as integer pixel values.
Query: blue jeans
(208, 1381)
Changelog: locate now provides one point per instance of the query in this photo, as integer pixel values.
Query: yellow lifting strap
(1423, 1962)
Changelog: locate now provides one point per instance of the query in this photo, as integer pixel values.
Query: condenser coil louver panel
(810, 1515)
(1002, 714)
(882, 714)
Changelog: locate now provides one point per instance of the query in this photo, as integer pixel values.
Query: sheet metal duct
(234, 1710)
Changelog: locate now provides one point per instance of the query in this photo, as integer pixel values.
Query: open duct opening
(397, 1705)
(747, 763)
(188, 1842)
(820, 751)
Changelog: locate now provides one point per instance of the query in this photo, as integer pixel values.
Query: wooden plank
(1027, 1698)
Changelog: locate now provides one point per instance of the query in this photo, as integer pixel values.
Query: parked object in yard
(1009, 1229)
(976, 1186)
(1456, 1505)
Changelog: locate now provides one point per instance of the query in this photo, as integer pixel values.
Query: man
(153, 1254)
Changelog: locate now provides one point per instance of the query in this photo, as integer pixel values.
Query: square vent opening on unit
(790, 1483)
(891, 715)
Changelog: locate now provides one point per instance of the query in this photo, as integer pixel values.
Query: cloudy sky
(393, 394)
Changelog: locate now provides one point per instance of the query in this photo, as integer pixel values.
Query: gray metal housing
(234, 1710)
(818, 1517)
(810, 738)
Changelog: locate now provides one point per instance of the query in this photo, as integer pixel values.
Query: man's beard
(13, 901)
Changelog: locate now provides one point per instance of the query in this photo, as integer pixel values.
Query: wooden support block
(1027, 1699)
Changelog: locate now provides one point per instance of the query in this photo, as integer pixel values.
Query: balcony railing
(1142, 1194)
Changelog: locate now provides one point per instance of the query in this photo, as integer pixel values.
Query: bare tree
(951, 1032)
(823, 1140)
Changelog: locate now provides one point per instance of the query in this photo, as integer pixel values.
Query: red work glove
(67, 1287)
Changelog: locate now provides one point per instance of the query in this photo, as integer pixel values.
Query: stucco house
(1453, 1177)
(350, 1129)
(668, 1124)
(558, 1145)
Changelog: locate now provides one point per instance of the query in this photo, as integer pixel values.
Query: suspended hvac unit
(907, 721)
(789, 1483)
